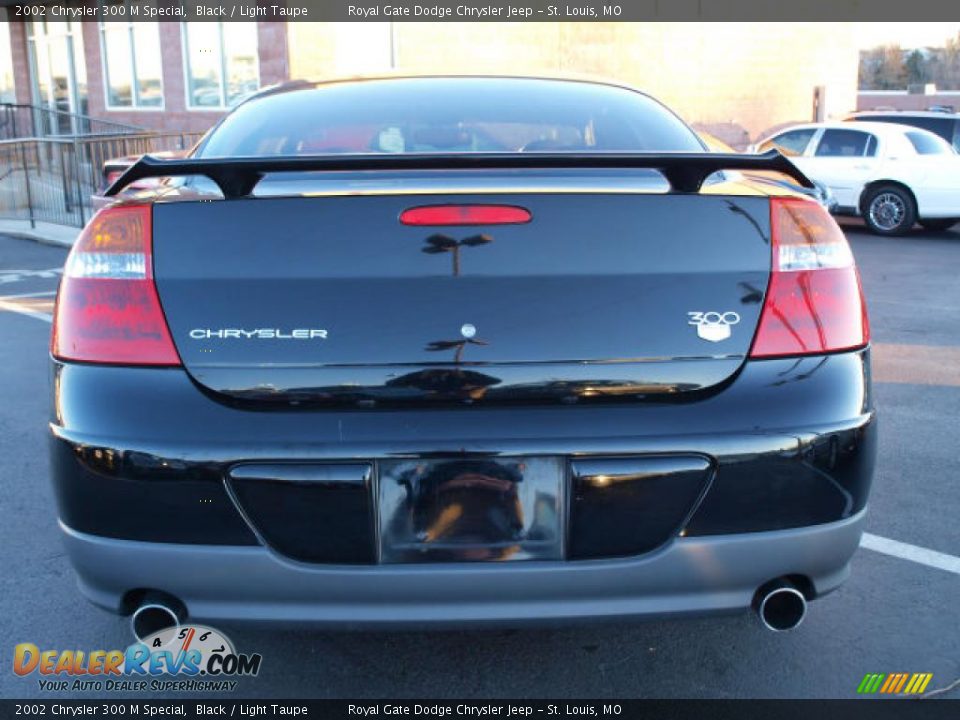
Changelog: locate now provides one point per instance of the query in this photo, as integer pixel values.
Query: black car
(446, 351)
(944, 124)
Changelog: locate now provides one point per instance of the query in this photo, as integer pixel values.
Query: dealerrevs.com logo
(184, 658)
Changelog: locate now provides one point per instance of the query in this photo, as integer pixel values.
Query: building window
(132, 64)
(221, 63)
(58, 76)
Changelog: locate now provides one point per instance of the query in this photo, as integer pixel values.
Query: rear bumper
(690, 576)
(141, 461)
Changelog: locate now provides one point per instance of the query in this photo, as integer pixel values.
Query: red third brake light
(107, 308)
(465, 215)
(814, 302)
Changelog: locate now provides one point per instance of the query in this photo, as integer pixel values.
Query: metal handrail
(58, 179)
(104, 137)
(23, 120)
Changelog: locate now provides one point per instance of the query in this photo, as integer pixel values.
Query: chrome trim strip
(465, 183)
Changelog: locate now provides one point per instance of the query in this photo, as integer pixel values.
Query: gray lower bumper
(689, 576)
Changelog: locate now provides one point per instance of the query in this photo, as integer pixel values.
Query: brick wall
(174, 116)
(320, 51)
(272, 46)
(747, 77)
(903, 101)
(755, 75)
(21, 67)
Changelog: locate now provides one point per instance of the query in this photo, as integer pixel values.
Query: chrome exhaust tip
(151, 618)
(780, 606)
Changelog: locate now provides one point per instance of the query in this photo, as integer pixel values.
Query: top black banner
(513, 11)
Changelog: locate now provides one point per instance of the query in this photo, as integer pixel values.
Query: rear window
(926, 144)
(450, 115)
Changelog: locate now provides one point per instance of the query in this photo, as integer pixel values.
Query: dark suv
(946, 125)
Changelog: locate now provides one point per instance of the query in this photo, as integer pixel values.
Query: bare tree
(883, 68)
(948, 65)
(889, 67)
(917, 68)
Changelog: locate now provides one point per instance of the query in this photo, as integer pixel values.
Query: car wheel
(938, 223)
(889, 210)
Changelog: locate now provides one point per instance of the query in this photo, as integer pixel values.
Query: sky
(907, 34)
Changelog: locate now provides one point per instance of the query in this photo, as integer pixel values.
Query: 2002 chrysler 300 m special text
(460, 350)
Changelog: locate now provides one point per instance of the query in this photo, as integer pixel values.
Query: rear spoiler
(237, 177)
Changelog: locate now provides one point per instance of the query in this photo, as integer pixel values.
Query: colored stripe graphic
(917, 683)
(894, 683)
(903, 680)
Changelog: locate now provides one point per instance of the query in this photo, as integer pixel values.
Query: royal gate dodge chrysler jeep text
(446, 351)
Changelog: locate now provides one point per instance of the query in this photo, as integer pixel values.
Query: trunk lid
(332, 300)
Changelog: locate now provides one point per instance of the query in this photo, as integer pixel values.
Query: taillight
(814, 302)
(465, 215)
(107, 308)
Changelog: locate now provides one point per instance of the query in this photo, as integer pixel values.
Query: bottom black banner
(893, 709)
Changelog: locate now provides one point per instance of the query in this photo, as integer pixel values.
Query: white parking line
(44, 293)
(913, 553)
(12, 276)
(15, 307)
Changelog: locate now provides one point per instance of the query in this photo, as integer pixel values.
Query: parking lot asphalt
(894, 614)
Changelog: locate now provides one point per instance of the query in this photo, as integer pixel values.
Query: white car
(892, 175)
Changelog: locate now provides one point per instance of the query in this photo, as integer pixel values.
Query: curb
(46, 233)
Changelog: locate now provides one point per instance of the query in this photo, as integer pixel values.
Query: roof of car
(905, 113)
(303, 84)
(296, 86)
(878, 128)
